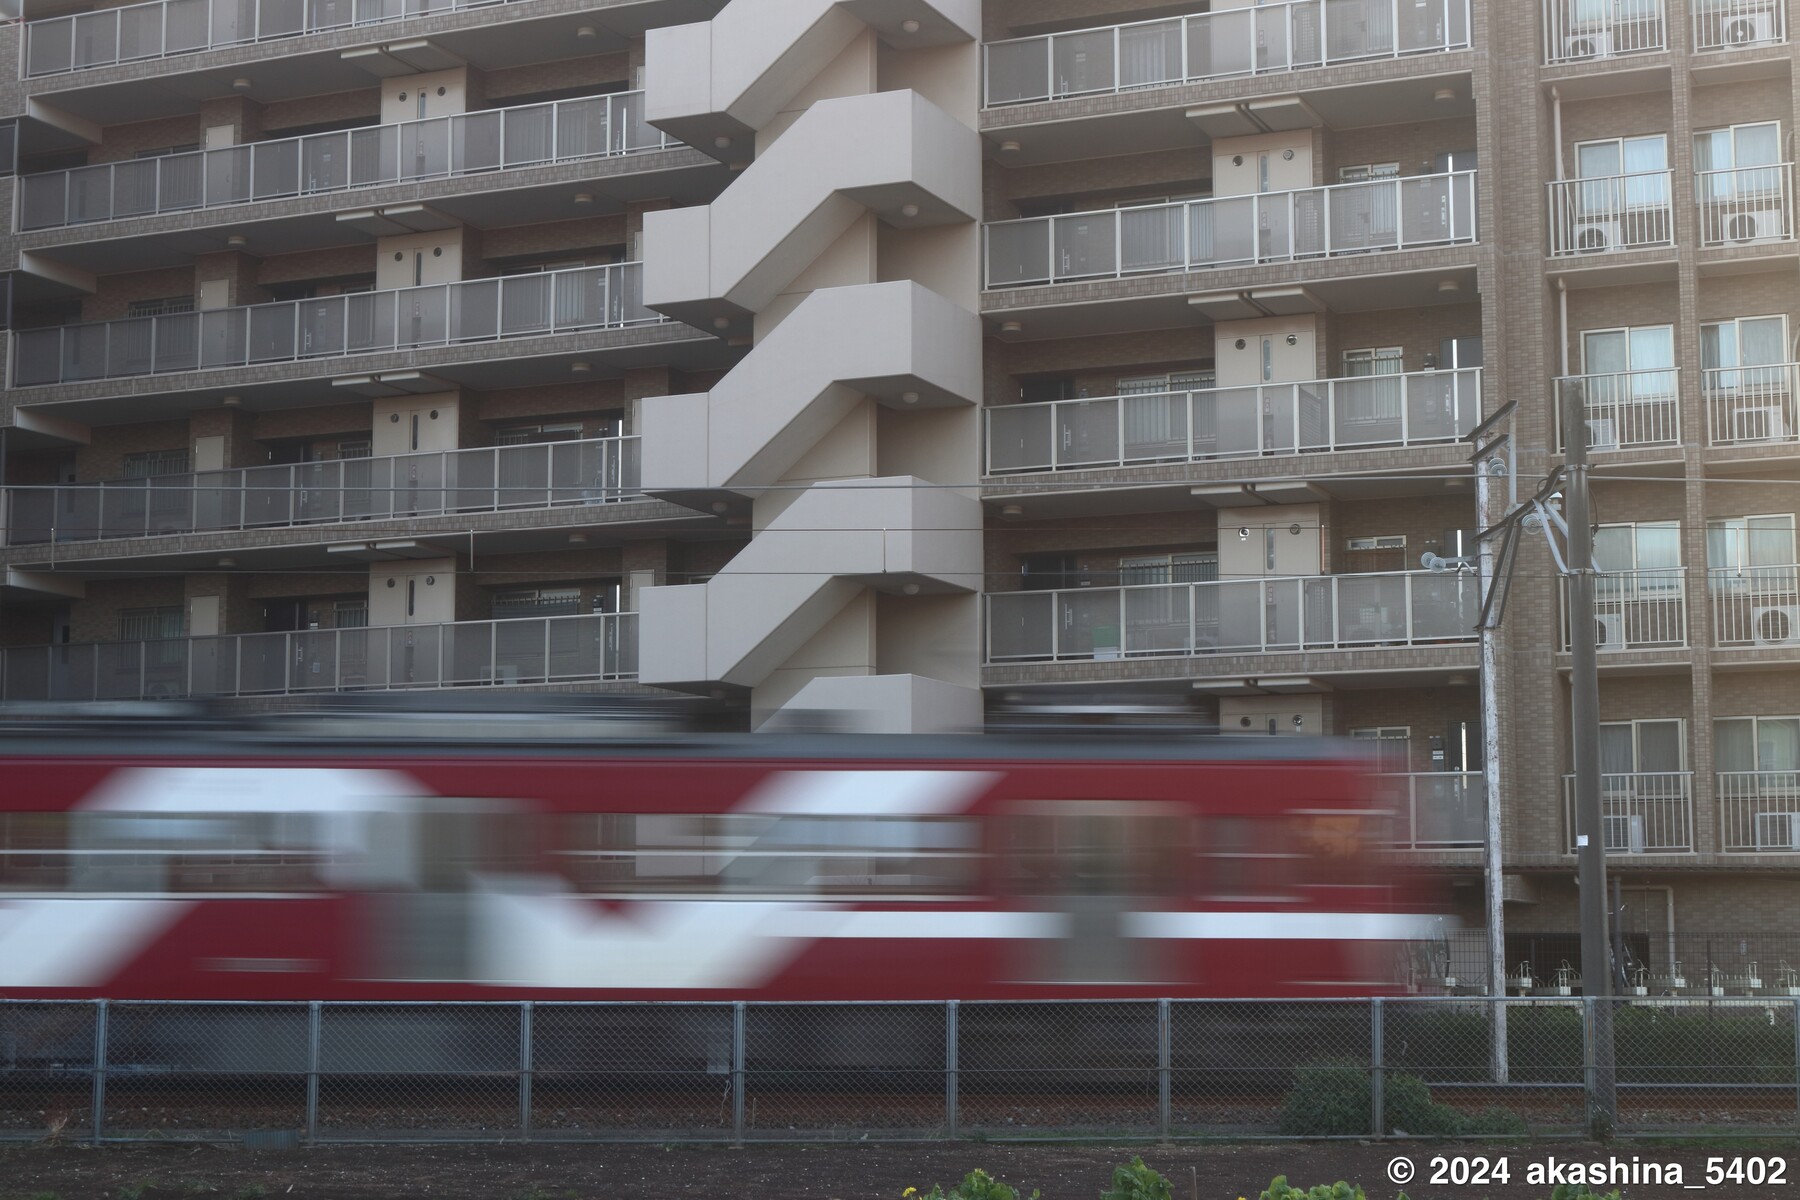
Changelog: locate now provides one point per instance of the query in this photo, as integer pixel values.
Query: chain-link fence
(288, 1073)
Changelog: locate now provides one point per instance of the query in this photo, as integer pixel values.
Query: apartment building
(928, 358)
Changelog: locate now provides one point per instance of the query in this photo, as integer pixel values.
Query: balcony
(1755, 606)
(526, 650)
(1751, 406)
(1264, 40)
(1419, 408)
(410, 151)
(1743, 206)
(489, 479)
(1626, 410)
(1608, 213)
(1441, 810)
(476, 310)
(1636, 610)
(1646, 812)
(165, 28)
(1739, 24)
(1759, 812)
(1231, 231)
(1249, 616)
(1578, 31)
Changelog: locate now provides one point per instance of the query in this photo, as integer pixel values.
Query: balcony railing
(1237, 616)
(1626, 410)
(1266, 39)
(1225, 231)
(1749, 406)
(1735, 24)
(1443, 810)
(488, 479)
(1604, 213)
(1759, 811)
(1742, 206)
(1649, 812)
(477, 310)
(1755, 606)
(523, 650)
(490, 140)
(1636, 610)
(1277, 418)
(1583, 30)
(169, 27)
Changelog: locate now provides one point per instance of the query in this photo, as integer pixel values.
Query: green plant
(1333, 1101)
(1280, 1189)
(1581, 1191)
(1135, 1181)
(976, 1185)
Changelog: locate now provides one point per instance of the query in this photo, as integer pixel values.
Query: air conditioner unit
(1594, 236)
(1596, 43)
(1603, 433)
(1625, 832)
(1763, 423)
(1778, 831)
(1776, 625)
(1758, 225)
(1609, 631)
(1747, 29)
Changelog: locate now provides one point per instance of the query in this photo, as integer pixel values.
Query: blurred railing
(1581, 30)
(1440, 810)
(1233, 616)
(1646, 812)
(1266, 39)
(168, 27)
(1636, 610)
(1744, 205)
(1626, 409)
(485, 479)
(1276, 418)
(1755, 606)
(1318, 222)
(1601, 213)
(1759, 811)
(492, 139)
(1735, 24)
(371, 658)
(1750, 405)
(476, 310)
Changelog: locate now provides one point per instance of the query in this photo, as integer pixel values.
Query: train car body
(720, 867)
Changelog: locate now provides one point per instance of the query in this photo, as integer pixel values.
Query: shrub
(1135, 1181)
(1333, 1101)
(976, 1185)
(1280, 1189)
(1581, 1191)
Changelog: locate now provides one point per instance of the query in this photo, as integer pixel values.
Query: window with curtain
(1770, 744)
(1158, 414)
(1392, 745)
(156, 462)
(1196, 567)
(1635, 365)
(1642, 559)
(1149, 54)
(1739, 353)
(1642, 747)
(1626, 173)
(152, 624)
(1725, 158)
(1376, 401)
(1753, 556)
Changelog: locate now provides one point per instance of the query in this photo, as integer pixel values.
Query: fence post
(1797, 1059)
(1589, 1071)
(525, 1069)
(951, 1054)
(1377, 1055)
(1164, 1073)
(737, 1073)
(97, 1100)
(314, 1022)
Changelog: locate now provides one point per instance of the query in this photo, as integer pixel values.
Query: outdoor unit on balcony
(1625, 832)
(1592, 236)
(1748, 29)
(1776, 625)
(1603, 433)
(1778, 831)
(1764, 423)
(1760, 225)
(1596, 43)
(1609, 631)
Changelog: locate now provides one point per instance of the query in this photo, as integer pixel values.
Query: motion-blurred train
(355, 863)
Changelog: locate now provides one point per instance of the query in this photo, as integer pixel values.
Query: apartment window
(1745, 356)
(1723, 158)
(1630, 384)
(350, 614)
(537, 602)
(351, 448)
(151, 624)
(526, 435)
(1197, 567)
(165, 151)
(1642, 159)
(1373, 401)
(1652, 550)
(163, 306)
(1363, 172)
(1160, 417)
(1653, 747)
(156, 462)
(1392, 746)
(1767, 744)
(1366, 555)
(1757, 547)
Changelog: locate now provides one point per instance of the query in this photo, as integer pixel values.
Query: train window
(746, 853)
(1241, 860)
(34, 851)
(192, 852)
(1076, 853)
(1334, 846)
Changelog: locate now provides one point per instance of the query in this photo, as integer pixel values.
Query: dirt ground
(843, 1172)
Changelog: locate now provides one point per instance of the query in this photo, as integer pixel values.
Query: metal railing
(1416, 408)
(1604, 213)
(446, 314)
(165, 28)
(1751, 405)
(494, 139)
(1759, 812)
(1636, 610)
(519, 650)
(286, 1073)
(485, 479)
(1644, 812)
(1742, 206)
(1735, 24)
(1267, 39)
(1583, 30)
(1318, 222)
(1232, 616)
(1626, 409)
(1755, 606)
(1439, 810)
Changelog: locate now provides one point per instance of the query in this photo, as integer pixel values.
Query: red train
(270, 865)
